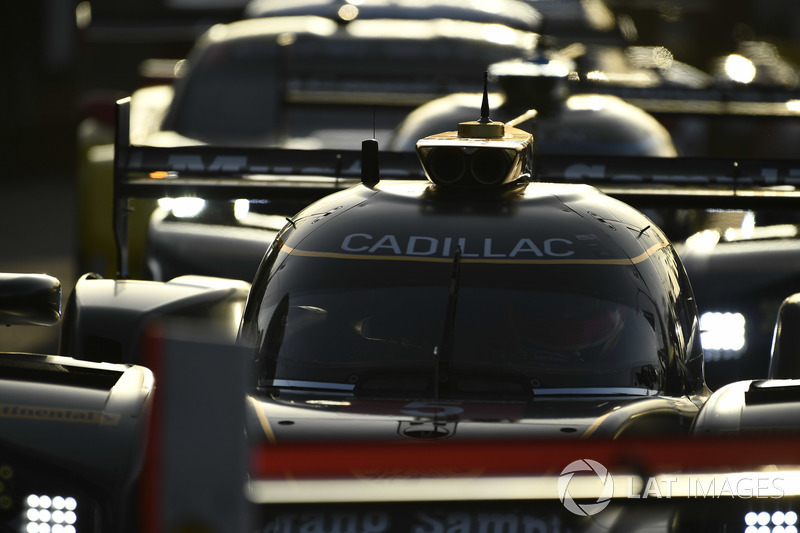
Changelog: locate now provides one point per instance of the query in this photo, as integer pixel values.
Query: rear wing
(256, 173)
(228, 173)
(691, 182)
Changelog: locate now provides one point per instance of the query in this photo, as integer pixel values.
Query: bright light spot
(586, 102)
(497, 33)
(328, 402)
(793, 105)
(790, 529)
(186, 207)
(596, 75)
(83, 15)
(777, 518)
(286, 38)
(662, 57)
(240, 208)
(703, 241)
(748, 224)
(763, 518)
(790, 518)
(42, 520)
(750, 518)
(348, 12)
(739, 68)
(722, 335)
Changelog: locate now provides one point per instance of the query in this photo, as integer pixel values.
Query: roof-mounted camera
(482, 153)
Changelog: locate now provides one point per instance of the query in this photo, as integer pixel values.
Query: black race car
(293, 81)
(485, 306)
(72, 432)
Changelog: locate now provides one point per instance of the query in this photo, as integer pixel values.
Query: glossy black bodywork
(33, 299)
(341, 236)
(301, 416)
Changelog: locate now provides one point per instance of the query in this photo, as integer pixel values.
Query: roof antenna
(485, 104)
(370, 164)
(485, 127)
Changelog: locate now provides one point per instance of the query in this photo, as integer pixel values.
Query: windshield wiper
(443, 354)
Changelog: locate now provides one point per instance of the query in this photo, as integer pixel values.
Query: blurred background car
(296, 81)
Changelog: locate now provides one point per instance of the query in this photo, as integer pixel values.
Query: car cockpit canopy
(447, 290)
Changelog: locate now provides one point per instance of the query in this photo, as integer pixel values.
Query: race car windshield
(548, 329)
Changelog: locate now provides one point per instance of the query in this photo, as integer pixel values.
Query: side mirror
(29, 299)
(784, 360)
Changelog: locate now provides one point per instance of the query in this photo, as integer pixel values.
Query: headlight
(778, 521)
(50, 514)
(722, 335)
(187, 207)
(40, 497)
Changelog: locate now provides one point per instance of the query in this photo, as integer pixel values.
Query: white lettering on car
(336, 522)
(548, 247)
(462, 243)
(221, 163)
(412, 248)
(435, 522)
(419, 521)
(386, 242)
(487, 249)
(526, 245)
(423, 245)
(347, 246)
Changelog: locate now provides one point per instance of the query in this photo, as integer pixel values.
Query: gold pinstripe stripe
(422, 259)
(595, 425)
(264, 421)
